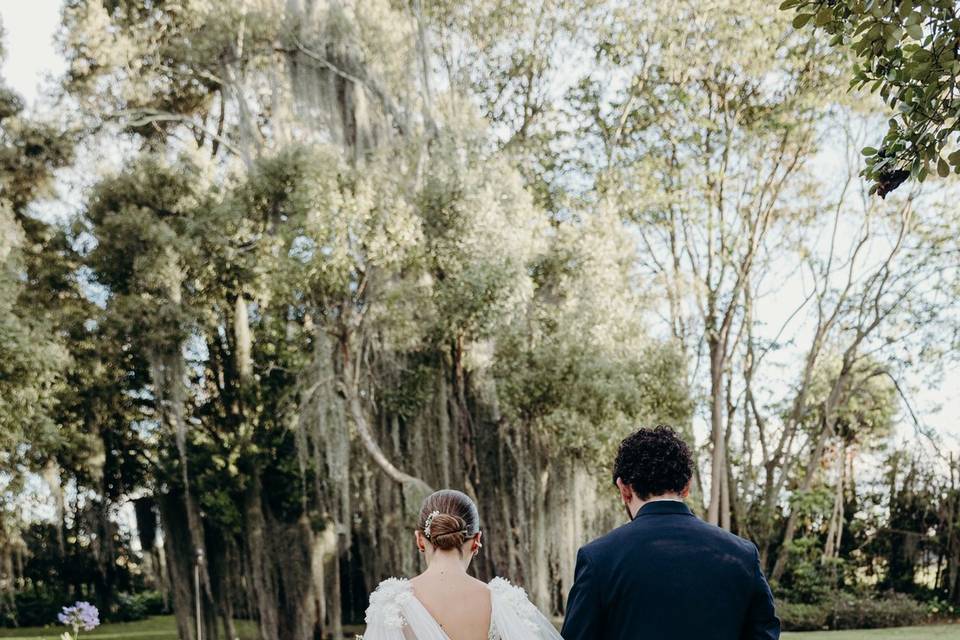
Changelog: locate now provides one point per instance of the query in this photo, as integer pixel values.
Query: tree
(515, 62)
(328, 277)
(359, 250)
(905, 52)
(58, 401)
(32, 360)
(712, 166)
(707, 161)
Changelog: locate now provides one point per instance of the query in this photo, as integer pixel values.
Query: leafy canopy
(906, 51)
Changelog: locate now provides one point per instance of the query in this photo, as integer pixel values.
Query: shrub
(802, 617)
(39, 607)
(152, 602)
(850, 611)
(941, 609)
(809, 579)
(36, 608)
(128, 608)
(893, 610)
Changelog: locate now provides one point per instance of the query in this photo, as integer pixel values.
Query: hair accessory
(426, 525)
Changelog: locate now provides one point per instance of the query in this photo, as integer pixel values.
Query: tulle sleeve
(385, 620)
(515, 617)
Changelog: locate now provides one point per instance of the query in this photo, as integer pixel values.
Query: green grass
(943, 632)
(158, 628)
(163, 628)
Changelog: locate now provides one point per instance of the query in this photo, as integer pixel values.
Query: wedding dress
(396, 614)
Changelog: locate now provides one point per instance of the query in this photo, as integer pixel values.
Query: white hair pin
(426, 525)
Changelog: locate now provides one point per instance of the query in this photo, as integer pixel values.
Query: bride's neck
(447, 562)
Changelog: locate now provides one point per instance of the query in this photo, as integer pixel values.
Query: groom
(666, 575)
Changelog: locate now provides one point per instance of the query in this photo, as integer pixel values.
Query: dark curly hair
(654, 462)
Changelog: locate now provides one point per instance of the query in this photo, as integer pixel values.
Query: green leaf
(824, 16)
(801, 20)
(788, 4)
(868, 151)
(943, 169)
(915, 31)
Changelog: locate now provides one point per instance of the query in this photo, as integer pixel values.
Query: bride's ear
(477, 544)
(420, 540)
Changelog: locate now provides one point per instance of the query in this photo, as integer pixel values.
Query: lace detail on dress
(396, 614)
(516, 598)
(385, 603)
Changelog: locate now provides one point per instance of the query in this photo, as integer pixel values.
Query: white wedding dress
(396, 614)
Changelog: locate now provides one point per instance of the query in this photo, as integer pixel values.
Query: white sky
(29, 27)
(33, 61)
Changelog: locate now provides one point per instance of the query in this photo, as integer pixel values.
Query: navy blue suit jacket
(669, 576)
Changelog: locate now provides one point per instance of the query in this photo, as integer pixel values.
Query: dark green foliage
(802, 617)
(904, 51)
(35, 608)
(136, 606)
(849, 611)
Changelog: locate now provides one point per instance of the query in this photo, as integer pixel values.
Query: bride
(443, 602)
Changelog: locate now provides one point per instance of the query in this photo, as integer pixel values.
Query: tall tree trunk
(952, 572)
(180, 562)
(242, 339)
(51, 475)
(262, 579)
(716, 513)
(167, 372)
(831, 548)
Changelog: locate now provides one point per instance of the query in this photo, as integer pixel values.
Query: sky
(33, 61)
(32, 57)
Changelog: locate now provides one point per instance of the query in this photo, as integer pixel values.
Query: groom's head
(652, 463)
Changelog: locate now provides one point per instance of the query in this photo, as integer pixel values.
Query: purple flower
(82, 615)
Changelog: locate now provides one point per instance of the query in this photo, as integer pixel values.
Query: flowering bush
(82, 615)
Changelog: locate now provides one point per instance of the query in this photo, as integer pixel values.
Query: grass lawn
(157, 628)
(944, 632)
(163, 628)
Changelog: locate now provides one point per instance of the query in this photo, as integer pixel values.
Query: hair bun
(448, 531)
(448, 518)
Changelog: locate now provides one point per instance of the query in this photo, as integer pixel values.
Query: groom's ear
(626, 491)
(686, 492)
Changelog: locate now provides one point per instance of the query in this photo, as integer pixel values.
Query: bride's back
(461, 605)
(444, 602)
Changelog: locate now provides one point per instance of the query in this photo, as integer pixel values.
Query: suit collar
(664, 507)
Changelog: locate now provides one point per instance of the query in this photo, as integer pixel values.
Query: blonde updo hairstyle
(456, 519)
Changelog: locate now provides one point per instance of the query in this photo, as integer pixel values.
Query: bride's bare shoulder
(480, 584)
